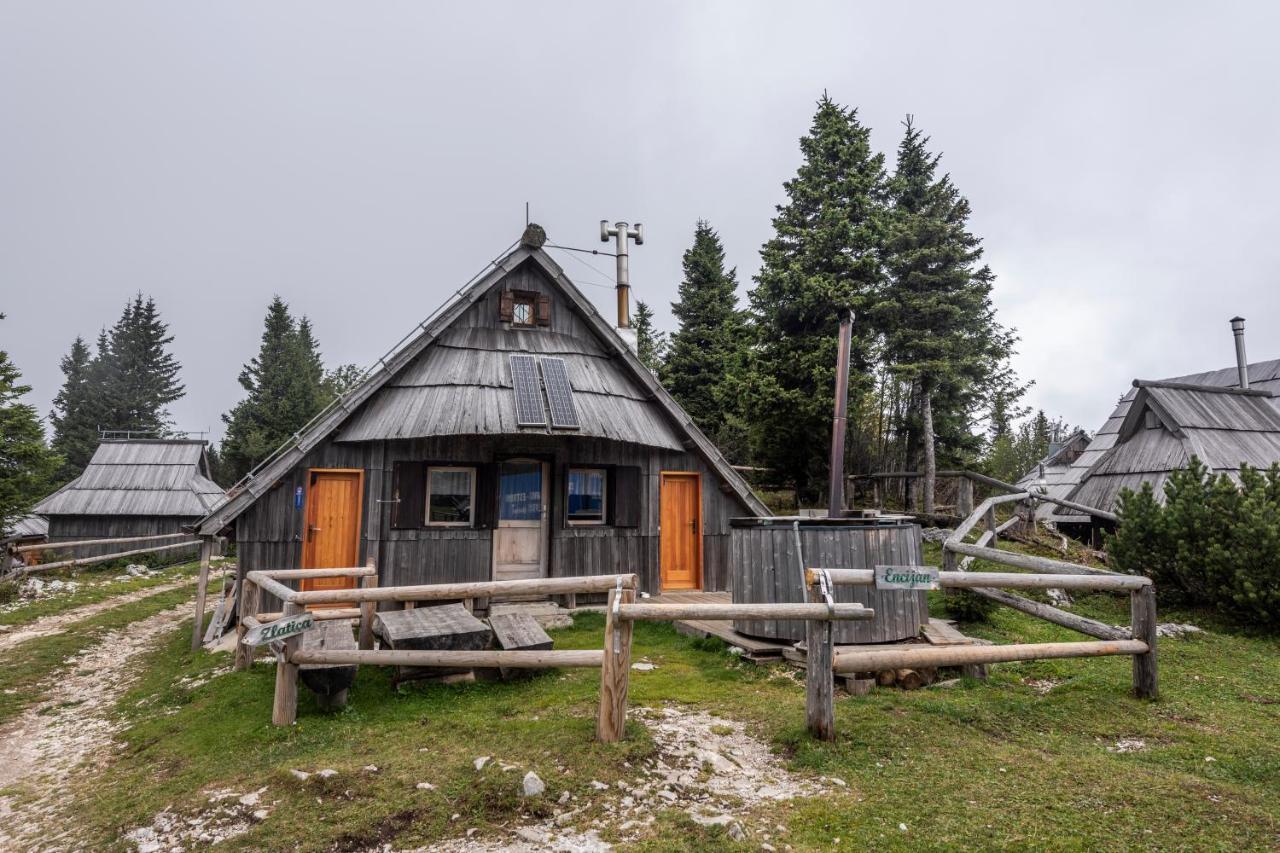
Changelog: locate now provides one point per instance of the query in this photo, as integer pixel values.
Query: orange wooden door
(332, 538)
(680, 565)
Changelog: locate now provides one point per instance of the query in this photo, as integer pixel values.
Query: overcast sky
(363, 160)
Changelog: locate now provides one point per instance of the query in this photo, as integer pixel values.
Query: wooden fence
(189, 540)
(614, 660)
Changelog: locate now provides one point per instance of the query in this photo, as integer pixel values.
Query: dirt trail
(46, 744)
(59, 622)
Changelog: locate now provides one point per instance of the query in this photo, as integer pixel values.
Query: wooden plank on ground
(939, 632)
(724, 630)
(518, 632)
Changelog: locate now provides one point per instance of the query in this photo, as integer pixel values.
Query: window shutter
(408, 490)
(485, 512)
(506, 306)
(625, 495)
(544, 309)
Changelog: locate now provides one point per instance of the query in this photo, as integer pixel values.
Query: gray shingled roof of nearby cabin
(1057, 467)
(158, 477)
(27, 527)
(1223, 430)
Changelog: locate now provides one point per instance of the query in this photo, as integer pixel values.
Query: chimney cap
(1237, 323)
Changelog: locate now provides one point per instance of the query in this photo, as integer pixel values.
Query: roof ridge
(1207, 389)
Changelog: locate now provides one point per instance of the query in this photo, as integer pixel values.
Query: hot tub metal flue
(839, 423)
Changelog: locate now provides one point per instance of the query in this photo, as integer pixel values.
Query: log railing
(189, 541)
(614, 660)
(968, 479)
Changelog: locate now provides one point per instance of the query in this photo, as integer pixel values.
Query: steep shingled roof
(1160, 425)
(381, 407)
(158, 477)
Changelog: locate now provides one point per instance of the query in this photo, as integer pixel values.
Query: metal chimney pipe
(1242, 361)
(621, 231)
(839, 421)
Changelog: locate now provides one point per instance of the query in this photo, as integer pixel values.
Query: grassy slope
(990, 763)
(94, 586)
(24, 668)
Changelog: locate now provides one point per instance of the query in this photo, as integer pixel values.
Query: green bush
(8, 592)
(963, 606)
(1213, 542)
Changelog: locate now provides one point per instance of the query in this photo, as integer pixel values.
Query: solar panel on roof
(524, 379)
(564, 415)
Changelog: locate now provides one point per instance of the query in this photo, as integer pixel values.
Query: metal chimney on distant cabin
(622, 232)
(1242, 361)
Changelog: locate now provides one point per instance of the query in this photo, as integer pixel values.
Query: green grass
(94, 586)
(26, 667)
(984, 764)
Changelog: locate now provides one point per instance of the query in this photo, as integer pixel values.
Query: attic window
(524, 308)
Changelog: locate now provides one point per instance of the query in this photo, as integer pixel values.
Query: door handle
(312, 530)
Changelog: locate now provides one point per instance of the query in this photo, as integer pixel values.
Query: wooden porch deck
(753, 648)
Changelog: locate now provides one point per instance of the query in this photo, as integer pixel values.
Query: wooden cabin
(1176, 418)
(514, 435)
(133, 487)
(28, 530)
(1054, 473)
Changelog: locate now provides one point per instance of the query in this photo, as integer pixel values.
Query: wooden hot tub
(765, 568)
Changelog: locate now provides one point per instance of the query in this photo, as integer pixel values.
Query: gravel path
(59, 622)
(42, 748)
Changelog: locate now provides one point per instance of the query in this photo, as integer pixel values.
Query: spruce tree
(75, 412)
(136, 376)
(284, 391)
(705, 359)
(821, 262)
(940, 332)
(27, 466)
(650, 343)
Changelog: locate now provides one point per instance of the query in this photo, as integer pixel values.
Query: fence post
(202, 590)
(285, 708)
(249, 600)
(1142, 613)
(964, 497)
(615, 671)
(367, 610)
(991, 525)
(819, 680)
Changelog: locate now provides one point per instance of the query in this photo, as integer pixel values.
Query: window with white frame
(587, 488)
(451, 496)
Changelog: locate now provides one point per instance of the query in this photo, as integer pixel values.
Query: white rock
(425, 786)
(736, 832)
(532, 786)
(371, 768)
(564, 797)
(902, 827)
(644, 667)
(480, 762)
(327, 773)
(251, 799)
(835, 780)
(261, 815)
(599, 786)
(300, 775)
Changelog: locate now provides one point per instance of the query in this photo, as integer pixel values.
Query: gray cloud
(363, 160)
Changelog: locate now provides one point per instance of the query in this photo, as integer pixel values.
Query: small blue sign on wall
(297, 498)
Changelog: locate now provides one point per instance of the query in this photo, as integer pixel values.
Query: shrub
(963, 606)
(1213, 542)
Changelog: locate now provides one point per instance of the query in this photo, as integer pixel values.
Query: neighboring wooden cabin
(515, 436)
(28, 530)
(1055, 472)
(133, 487)
(1188, 414)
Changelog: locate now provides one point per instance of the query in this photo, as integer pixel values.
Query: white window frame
(604, 498)
(450, 469)
(530, 300)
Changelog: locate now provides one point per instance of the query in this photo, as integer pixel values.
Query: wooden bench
(518, 632)
(445, 627)
(329, 683)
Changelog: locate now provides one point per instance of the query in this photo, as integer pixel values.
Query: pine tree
(340, 380)
(27, 466)
(75, 412)
(136, 377)
(650, 343)
(935, 312)
(705, 360)
(284, 391)
(821, 262)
